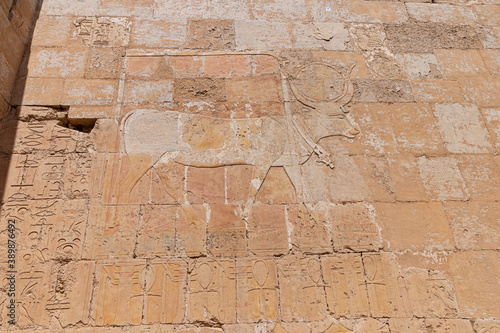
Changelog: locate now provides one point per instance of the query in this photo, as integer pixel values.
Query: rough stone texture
(286, 166)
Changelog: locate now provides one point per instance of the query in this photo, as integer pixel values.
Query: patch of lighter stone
(372, 214)
(289, 229)
(261, 328)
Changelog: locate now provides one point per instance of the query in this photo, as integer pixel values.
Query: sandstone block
(103, 63)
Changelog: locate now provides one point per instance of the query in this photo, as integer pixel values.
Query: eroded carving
(102, 32)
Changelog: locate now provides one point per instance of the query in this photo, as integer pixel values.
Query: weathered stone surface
(286, 166)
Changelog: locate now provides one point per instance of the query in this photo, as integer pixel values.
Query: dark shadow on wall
(20, 18)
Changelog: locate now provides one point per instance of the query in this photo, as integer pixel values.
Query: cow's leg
(259, 174)
(295, 175)
(171, 175)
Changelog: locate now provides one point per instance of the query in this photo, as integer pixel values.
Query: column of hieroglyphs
(287, 166)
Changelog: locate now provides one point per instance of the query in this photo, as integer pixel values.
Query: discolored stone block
(425, 37)
(211, 34)
(202, 89)
(226, 231)
(267, 230)
(389, 91)
(442, 178)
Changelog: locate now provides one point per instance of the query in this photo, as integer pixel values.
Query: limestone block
(345, 285)
(135, 292)
(258, 293)
(53, 31)
(449, 325)
(344, 59)
(102, 31)
(191, 231)
(103, 63)
(146, 92)
(354, 228)
(156, 234)
(486, 14)
(268, 232)
(234, 66)
(492, 61)
(238, 178)
(406, 325)
(451, 14)
(383, 66)
(148, 68)
(40, 91)
(276, 188)
(226, 231)
(368, 37)
(404, 178)
(481, 175)
(111, 231)
(320, 35)
(475, 224)
(202, 89)
(437, 90)
(157, 33)
(442, 178)
(57, 62)
(459, 63)
(492, 121)
(258, 89)
(141, 8)
(205, 185)
(378, 177)
(485, 326)
(420, 65)
(212, 291)
(481, 90)
(371, 325)
(89, 92)
(462, 128)
(61, 7)
(211, 34)
(262, 35)
(302, 292)
(371, 12)
(475, 292)
(425, 37)
(389, 91)
(425, 222)
(309, 229)
(281, 10)
(489, 36)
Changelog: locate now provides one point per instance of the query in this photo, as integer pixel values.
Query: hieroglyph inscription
(102, 32)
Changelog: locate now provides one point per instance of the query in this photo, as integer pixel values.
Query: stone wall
(17, 18)
(256, 166)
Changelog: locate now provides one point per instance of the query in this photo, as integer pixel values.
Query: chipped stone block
(321, 35)
(226, 231)
(202, 89)
(420, 65)
(389, 91)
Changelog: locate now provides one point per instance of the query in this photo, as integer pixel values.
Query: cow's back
(204, 140)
